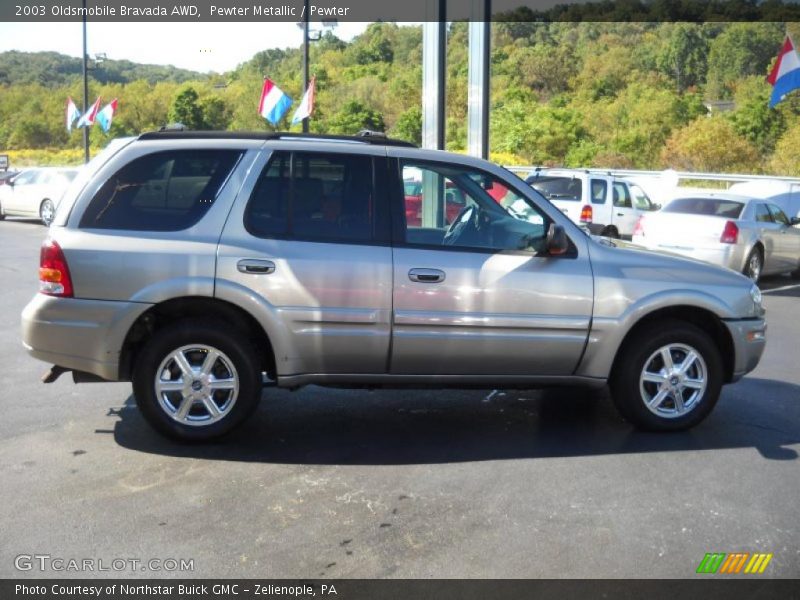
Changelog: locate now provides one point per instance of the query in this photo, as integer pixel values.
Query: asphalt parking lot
(335, 483)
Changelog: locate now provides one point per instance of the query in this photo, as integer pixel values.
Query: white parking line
(780, 289)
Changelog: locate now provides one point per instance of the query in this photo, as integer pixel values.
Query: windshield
(558, 188)
(709, 207)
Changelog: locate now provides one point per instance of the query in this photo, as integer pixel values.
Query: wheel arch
(702, 318)
(170, 311)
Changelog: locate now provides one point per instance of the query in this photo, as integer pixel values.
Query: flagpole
(85, 90)
(305, 55)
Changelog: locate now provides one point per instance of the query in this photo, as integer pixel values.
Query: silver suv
(204, 267)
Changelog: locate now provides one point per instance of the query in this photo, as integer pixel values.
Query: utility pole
(306, 9)
(85, 89)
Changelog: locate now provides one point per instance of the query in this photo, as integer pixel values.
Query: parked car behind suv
(604, 204)
(35, 193)
(206, 266)
(749, 235)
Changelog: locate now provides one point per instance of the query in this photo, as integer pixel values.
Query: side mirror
(557, 242)
(795, 220)
(655, 206)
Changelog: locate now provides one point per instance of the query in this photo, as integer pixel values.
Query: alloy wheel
(673, 380)
(197, 385)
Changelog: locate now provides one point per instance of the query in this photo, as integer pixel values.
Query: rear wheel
(196, 380)
(754, 264)
(667, 377)
(611, 232)
(47, 212)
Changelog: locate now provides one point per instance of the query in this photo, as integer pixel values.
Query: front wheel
(47, 212)
(667, 377)
(196, 381)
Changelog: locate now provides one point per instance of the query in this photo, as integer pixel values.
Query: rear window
(558, 188)
(164, 191)
(710, 207)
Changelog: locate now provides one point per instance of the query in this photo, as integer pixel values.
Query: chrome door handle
(255, 266)
(426, 275)
(620, 214)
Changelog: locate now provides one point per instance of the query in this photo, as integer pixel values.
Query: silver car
(35, 193)
(751, 236)
(204, 267)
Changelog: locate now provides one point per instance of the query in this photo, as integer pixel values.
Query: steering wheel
(464, 216)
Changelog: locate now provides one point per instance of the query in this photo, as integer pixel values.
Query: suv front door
(309, 239)
(479, 296)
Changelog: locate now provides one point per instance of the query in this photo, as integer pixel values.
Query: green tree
(683, 57)
(409, 125)
(353, 117)
(710, 144)
(186, 110)
(786, 160)
(753, 118)
(215, 114)
(741, 49)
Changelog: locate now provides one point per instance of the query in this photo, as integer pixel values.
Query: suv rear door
(308, 240)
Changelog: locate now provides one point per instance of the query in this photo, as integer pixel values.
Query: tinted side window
(164, 191)
(599, 191)
(778, 215)
(762, 214)
(306, 195)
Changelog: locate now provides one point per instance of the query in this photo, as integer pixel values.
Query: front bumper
(79, 334)
(749, 341)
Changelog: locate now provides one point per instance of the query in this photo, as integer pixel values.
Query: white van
(785, 194)
(604, 204)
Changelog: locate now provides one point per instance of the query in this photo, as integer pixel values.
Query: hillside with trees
(605, 94)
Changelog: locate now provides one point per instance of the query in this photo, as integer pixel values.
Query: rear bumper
(82, 335)
(730, 256)
(749, 341)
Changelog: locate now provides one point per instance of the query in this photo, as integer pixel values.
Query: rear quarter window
(163, 191)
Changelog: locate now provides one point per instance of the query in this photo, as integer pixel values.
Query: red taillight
(638, 229)
(586, 214)
(54, 277)
(730, 235)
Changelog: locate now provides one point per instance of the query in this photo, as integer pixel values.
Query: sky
(200, 47)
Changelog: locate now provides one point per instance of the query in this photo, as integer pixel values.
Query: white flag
(306, 104)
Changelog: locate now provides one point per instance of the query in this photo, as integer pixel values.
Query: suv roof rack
(364, 136)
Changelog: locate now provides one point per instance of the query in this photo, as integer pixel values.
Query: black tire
(755, 256)
(627, 389)
(47, 212)
(235, 349)
(2, 214)
(611, 232)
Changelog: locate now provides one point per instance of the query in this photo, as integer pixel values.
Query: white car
(749, 235)
(604, 204)
(35, 193)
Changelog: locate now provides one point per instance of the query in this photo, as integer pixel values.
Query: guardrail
(666, 174)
